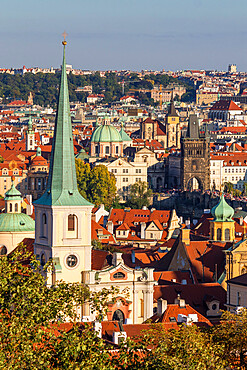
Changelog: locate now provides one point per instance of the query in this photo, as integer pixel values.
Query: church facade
(63, 231)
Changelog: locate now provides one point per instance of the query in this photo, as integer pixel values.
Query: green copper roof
(38, 153)
(106, 133)
(30, 125)
(124, 136)
(82, 154)
(16, 222)
(61, 187)
(12, 193)
(222, 211)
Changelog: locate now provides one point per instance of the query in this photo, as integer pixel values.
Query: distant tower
(195, 158)
(30, 136)
(172, 127)
(232, 68)
(30, 99)
(62, 215)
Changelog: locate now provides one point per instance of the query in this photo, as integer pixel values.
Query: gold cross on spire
(64, 37)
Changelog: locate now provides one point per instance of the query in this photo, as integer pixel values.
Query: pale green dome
(12, 193)
(222, 211)
(16, 222)
(106, 134)
(124, 136)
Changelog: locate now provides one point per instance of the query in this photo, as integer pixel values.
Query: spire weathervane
(64, 42)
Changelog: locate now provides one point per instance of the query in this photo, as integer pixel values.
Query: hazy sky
(123, 34)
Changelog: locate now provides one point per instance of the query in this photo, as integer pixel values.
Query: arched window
(10, 207)
(116, 149)
(44, 219)
(3, 250)
(71, 222)
(107, 150)
(42, 260)
(16, 207)
(118, 316)
(218, 234)
(119, 275)
(227, 234)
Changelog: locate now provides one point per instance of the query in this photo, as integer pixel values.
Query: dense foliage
(97, 185)
(45, 86)
(140, 195)
(35, 333)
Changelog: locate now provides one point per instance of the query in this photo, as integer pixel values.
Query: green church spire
(30, 125)
(61, 187)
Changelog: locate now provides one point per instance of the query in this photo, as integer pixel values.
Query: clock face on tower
(71, 260)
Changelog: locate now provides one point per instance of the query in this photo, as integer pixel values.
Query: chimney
(133, 257)
(98, 328)
(185, 236)
(241, 221)
(161, 306)
(110, 227)
(117, 258)
(180, 302)
(143, 227)
(93, 217)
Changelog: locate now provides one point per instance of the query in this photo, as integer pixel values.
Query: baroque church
(63, 232)
(167, 134)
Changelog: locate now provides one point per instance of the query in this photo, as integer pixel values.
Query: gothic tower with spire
(30, 136)
(172, 127)
(62, 215)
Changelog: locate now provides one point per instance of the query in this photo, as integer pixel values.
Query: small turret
(13, 199)
(222, 227)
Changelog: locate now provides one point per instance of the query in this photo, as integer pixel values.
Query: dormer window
(119, 275)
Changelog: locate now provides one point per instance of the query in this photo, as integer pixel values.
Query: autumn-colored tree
(188, 347)
(140, 195)
(97, 185)
(231, 335)
(32, 316)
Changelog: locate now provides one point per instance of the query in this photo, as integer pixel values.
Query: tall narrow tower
(62, 215)
(195, 158)
(172, 127)
(30, 136)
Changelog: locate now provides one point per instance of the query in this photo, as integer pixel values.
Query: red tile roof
(99, 259)
(225, 105)
(195, 295)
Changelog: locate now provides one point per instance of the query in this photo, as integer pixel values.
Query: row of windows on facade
(107, 149)
(232, 170)
(126, 170)
(125, 233)
(39, 169)
(6, 172)
(194, 152)
(11, 207)
(233, 178)
(126, 179)
(72, 221)
(219, 234)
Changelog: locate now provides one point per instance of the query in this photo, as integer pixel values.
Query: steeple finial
(62, 187)
(64, 42)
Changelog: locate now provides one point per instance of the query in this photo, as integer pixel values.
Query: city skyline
(128, 35)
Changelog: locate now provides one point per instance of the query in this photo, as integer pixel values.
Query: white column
(135, 306)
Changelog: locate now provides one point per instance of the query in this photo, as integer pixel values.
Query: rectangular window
(71, 222)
